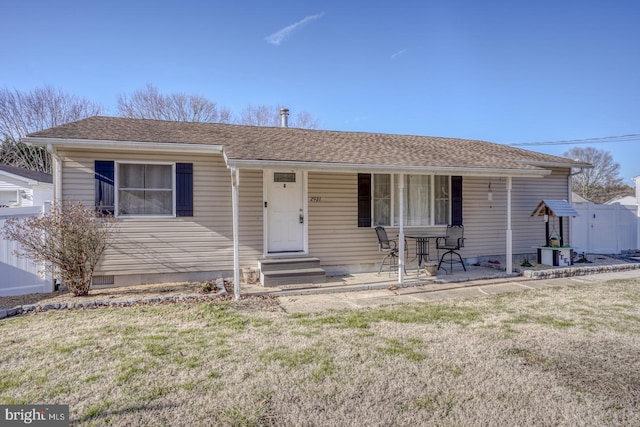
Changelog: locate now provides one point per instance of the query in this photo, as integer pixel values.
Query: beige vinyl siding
(250, 218)
(336, 240)
(334, 236)
(485, 222)
(200, 243)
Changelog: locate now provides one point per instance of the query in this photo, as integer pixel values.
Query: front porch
(485, 270)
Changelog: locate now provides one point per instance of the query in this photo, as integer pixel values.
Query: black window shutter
(184, 189)
(364, 200)
(456, 200)
(104, 189)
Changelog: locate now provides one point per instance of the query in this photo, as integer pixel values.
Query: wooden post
(546, 226)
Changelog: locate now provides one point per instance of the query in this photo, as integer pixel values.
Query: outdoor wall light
(489, 193)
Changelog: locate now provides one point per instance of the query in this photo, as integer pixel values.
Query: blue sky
(502, 71)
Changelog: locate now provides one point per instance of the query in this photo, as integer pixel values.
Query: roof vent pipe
(284, 117)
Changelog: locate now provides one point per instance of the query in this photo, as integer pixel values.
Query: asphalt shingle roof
(28, 173)
(303, 145)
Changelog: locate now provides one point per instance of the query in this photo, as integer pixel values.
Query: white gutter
(123, 145)
(353, 167)
(57, 173)
(570, 200)
(557, 165)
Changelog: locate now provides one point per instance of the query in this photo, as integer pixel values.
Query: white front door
(285, 211)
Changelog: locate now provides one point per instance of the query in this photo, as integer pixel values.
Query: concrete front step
(274, 264)
(295, 276)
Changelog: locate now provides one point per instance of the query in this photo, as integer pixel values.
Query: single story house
(200, 200)
(20, 187)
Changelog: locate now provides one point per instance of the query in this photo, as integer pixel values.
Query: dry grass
(559, 356)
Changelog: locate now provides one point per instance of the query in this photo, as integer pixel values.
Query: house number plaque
(315, 199)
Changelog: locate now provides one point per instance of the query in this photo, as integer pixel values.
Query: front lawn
(560, 356)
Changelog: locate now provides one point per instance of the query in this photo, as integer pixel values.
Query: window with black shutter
(184, 189)
(364, 200)
(456, 200)
(104, 186)
(144, 189)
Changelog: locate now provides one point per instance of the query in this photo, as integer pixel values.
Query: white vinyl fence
(604, 229)
(20, 276)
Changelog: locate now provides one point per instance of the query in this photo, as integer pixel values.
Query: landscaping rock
(13, 311)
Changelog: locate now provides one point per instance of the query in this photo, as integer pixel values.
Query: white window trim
(116, 183)
(432, 197)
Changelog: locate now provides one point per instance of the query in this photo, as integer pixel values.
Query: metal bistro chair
(451, 245)
(390, 247)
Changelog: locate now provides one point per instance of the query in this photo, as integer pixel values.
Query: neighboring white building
(628, 200)
(21, 187)
(577, 199)
(23, 193)
(625, 201)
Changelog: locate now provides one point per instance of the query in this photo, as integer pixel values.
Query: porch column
(235, 183)
(401, 230)
(509, 259)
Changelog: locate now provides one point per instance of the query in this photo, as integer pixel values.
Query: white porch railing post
(235, 183)
(401, 230)
(509, 259)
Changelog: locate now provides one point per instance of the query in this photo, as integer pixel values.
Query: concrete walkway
(305, 303)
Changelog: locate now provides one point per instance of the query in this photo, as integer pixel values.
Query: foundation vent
(102, 280)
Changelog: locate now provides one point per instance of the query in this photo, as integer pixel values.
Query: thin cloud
(283, 34)
(400, 53)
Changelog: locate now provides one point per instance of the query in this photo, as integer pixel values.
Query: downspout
(57, 173)
(235, 182)
(57, 198)
(636, 181)
(570, 196)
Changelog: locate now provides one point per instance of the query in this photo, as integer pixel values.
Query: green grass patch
(96, 410)
(92, 379)
(438, 402)
(546, 320)
(319, 357)
(395, 347)
(222, 315)
(133, 367)
(289, 358)
(157, 345)
(453, 370)
(8, 380)
(415, 313)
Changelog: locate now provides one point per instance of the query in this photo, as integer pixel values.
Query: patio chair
(388, 246)
(451, 245)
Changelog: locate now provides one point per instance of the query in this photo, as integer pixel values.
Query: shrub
(69, 239)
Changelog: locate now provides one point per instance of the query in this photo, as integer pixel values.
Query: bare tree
(24, 112)
(264, 115)
(70, 239)
(600, 183)
(148, 103)
(305, 120)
